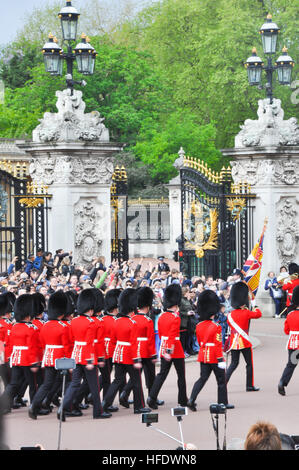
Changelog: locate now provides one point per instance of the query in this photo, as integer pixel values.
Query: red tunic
(56, 342)
(124, 335)
(241, 317)
(5, 327)
(83, 333)
(289, 287)
(291, 328)
(209, 338)
(145, 336)
(39, 324)
(108, 325)
(169, 331)
(23, 344)
(99, 339)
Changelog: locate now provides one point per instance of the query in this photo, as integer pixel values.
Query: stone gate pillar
(266, 155)
(72, 154)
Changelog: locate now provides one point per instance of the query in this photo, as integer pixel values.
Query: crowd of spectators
(48, 272)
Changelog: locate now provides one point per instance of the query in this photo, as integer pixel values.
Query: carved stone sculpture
(71, 170)
(270, 129)
(287, 233)
(71, 123)
(87, 230)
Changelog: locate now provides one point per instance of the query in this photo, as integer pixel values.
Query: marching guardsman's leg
(291, 328)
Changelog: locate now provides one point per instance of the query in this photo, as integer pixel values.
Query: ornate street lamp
(284, 64)
(84, 54)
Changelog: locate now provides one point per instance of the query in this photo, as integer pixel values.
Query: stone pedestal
(273, 172)
(72, 155)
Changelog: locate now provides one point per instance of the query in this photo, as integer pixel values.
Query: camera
(149, 418)
(180, 411)
(65, 364)
(217, 408)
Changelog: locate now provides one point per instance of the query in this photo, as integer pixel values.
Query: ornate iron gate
(217, 231)
(119, 207)
(23, 215)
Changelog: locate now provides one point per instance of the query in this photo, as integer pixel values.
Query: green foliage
(158, 145)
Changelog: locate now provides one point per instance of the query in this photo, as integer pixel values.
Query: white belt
(167, 337)
(107, 339)
(294, 333)
(142, 339)
(122, 343)
(54, 346)
(80, 343)
(95, 341)
(19, 348)
(208, 344)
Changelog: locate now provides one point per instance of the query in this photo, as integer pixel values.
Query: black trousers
(179, 365)
(51, 376)
(235, 357)
(205, 372)
(149, 369)
(5, 373)
(92, 378)
(120, 376)
(18, 373)
(290, 367)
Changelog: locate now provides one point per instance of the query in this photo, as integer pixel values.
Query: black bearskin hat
(127, 302)
(145, 297)
(208, 304)
(7, 300)
(295, 297)
(98, 300)
(239, 295)
(85, 301)
(293, 268)
(23, 307)
(111, 299)
(39, 304)
(57, 305)
(72, 298)
(172, 296)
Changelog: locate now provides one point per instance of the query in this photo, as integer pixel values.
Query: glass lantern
(284, 65)
(53, 58)
(269, 32)
(254, 66)
(85, 58)
(69, 17)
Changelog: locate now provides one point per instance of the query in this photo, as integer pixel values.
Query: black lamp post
(284, 64)
(84, 54)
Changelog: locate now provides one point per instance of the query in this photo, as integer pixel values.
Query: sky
(12, 15)
(11, 18)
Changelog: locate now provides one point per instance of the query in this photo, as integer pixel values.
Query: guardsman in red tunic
(23, 349)
(210, 356)
(111, 311)
(238, 321)
(83, 331)
(290, 285)
(146, 342)
(126, 356)
(98, 345)
(291, 328)
(7, 301)
(55, 339)
(171, 350)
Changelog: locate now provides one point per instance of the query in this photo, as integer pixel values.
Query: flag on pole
(253, 265)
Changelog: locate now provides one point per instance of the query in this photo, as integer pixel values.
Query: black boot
(191, 405)
(32, 412)
(123, 400)
(281, 389)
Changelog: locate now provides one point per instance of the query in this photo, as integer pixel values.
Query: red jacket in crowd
(23, 344)
(55, 339)
(169, 331)
(209, 338)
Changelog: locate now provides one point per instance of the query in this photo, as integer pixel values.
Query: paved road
(125, 431)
